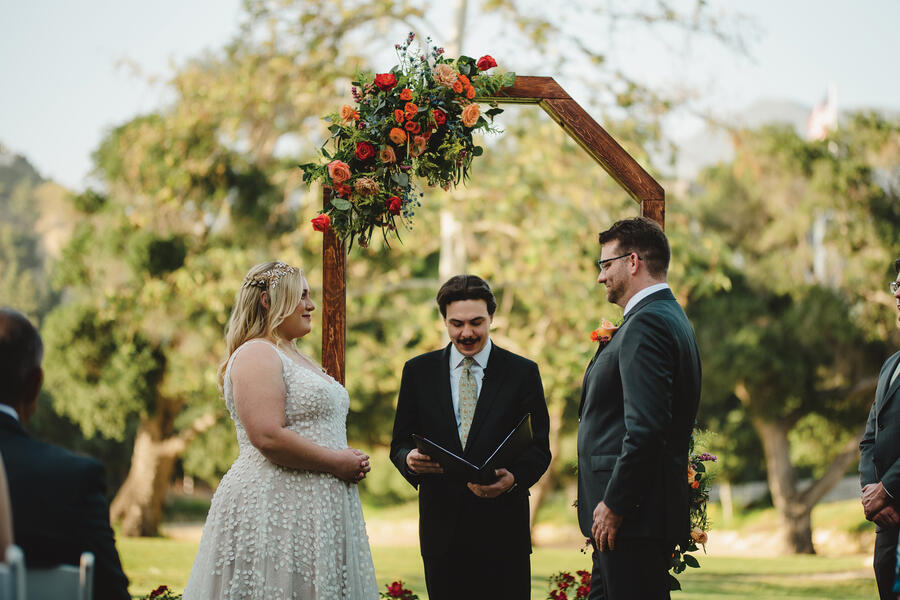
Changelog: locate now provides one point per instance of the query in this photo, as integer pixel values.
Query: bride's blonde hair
(283, 286)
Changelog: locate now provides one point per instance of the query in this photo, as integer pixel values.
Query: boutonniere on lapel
(604, 334)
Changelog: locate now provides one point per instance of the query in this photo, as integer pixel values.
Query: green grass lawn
(152, 562)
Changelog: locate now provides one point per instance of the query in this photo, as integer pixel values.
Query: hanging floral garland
(418, 118)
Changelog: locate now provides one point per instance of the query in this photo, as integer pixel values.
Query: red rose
(342, 190)
(412, 127)
(440, 117)
(364, 150)
(395, 589)
(583, 591)
(386, 81)
(484, 63)
(393, 205)
(321, 223)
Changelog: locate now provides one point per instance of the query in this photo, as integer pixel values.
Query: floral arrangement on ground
(417, 119)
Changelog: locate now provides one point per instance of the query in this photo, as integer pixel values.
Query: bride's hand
(350, 465)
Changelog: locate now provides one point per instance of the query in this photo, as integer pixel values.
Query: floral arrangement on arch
(698, 480)
(417, 119)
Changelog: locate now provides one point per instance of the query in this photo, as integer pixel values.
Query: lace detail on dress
(274, 532)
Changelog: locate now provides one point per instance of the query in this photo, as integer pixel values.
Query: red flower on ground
(486, 62)
(364, 150)
(393, 205)
(321, 223)
(385, 81)
(159, 591)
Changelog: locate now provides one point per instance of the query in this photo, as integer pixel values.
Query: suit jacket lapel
(11, 425)
(445, 401)
(600, 348)
(490, 386)
(889, 390)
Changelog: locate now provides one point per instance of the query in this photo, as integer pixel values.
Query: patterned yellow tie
(468, 398)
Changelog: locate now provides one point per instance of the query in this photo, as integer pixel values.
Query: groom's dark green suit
(639, 400)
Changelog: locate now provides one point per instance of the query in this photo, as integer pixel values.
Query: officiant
(467, 398)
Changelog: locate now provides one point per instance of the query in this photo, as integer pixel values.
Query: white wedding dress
(279, 533)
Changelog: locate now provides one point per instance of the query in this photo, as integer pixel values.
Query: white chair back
(63, 582)
(12, 575)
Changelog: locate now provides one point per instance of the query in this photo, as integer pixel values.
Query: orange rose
(465, 80)
(695, 484)
(398, 115)
(470, 115)
(418, 145)
(406, 94)
(458, 87)
(412, 127)
(348, 114)
(386, 155)
(397, 135)
(411, 110)
(607, 329)
(699, 536)
(470, 92)
(338, 171)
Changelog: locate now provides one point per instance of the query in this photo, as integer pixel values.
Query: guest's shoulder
(58, 460)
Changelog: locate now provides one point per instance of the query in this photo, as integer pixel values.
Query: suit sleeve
(529, 467)
(109, 579)
(646, 365)
(405, 425)
(867, 452)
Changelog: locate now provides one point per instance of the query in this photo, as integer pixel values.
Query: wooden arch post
(595, 140)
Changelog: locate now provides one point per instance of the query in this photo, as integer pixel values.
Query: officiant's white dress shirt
(9, 410)
(456, 369)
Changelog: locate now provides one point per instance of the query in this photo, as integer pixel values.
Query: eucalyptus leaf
(341, 204)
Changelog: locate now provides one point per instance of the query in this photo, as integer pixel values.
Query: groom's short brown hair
(897, 266)
(466, 287)
(643, 236)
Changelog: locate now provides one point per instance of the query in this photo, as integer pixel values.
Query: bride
(286, 520)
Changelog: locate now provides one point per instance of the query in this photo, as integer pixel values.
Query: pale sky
(63, 85)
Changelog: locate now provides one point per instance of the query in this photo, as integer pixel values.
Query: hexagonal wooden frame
(545, 92)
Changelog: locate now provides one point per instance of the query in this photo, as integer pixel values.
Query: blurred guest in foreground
(58, 498)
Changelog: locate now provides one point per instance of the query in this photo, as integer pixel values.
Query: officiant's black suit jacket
(639, 401)
(448, 510)
(59, 508)
(880, 446)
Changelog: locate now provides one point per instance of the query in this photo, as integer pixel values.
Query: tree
(797, 337)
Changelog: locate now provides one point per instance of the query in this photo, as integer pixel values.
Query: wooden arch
(545, 92)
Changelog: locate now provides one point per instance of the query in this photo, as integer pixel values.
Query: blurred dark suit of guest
(58, 498)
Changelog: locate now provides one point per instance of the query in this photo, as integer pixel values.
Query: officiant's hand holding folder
(459, 468)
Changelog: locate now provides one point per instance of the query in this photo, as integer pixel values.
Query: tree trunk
(727, 501)
(453, 259)
(138, 504)
(547, 482)
(794, 526)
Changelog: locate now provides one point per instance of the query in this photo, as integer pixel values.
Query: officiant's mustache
(468, 340)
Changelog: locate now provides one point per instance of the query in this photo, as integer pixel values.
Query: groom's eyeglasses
(895, 285)
(601, 264)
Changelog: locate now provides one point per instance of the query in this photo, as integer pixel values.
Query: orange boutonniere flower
(605, 332)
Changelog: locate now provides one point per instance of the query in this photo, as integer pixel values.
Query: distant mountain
(15, 170)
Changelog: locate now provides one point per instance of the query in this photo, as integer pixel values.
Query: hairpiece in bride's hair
(269, 278)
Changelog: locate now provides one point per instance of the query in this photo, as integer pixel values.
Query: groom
(639, 399)
(467, 398)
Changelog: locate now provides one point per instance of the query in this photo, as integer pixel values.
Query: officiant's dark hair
(21, 351)
(466, 287)
(644, 236)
